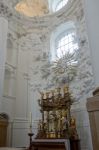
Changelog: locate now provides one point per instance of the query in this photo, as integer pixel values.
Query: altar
(55, 144)
(57, 128)
(50, 144)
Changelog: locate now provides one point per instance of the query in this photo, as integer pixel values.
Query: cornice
(22, 24)
(47, 20)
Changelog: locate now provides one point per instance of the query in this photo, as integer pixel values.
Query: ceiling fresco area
(32, 8)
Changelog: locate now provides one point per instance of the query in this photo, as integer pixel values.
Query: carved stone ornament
(5, 11)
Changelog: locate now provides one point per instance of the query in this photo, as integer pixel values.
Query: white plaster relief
(34, 43)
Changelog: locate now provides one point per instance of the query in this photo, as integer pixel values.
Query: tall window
(66, 43)
(61, 4)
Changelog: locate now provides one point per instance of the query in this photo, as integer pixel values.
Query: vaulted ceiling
(21, 22)
(32, 8)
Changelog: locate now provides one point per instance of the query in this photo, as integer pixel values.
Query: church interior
(49, 75)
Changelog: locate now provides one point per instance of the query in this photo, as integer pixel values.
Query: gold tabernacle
(56, 119)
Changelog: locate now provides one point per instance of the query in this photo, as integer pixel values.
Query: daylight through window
(66, 43)
(61, 4)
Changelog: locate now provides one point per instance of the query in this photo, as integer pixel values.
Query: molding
(35, 22)
(9, 96)
(11, 69)
(10, 65)
(20, 120)
(23, 120)
(78, 109)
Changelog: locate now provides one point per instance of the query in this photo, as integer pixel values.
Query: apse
(40, 35)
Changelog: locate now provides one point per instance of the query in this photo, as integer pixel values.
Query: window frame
(62, 35)
(65, 27)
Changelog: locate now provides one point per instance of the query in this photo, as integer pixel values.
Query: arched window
(61, 4)
(66, 42)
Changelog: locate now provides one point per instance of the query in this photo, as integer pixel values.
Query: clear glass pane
(66, 40)
(66, 48)
(76, 46)
(61, 4)
(66, 44)
(70, 45)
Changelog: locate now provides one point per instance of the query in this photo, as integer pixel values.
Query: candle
(30, 118)
(30, 122)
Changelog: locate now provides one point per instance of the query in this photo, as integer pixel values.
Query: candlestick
(30, 135)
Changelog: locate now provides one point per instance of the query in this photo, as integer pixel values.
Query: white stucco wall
(32, 52)
(3, 42)
(92, 22)
(33, 55)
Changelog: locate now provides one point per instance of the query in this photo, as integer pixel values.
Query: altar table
(55, 144)
(50, 144)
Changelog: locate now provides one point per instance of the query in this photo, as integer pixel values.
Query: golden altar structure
(56, 121)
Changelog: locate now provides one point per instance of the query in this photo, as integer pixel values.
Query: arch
(56, 33)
